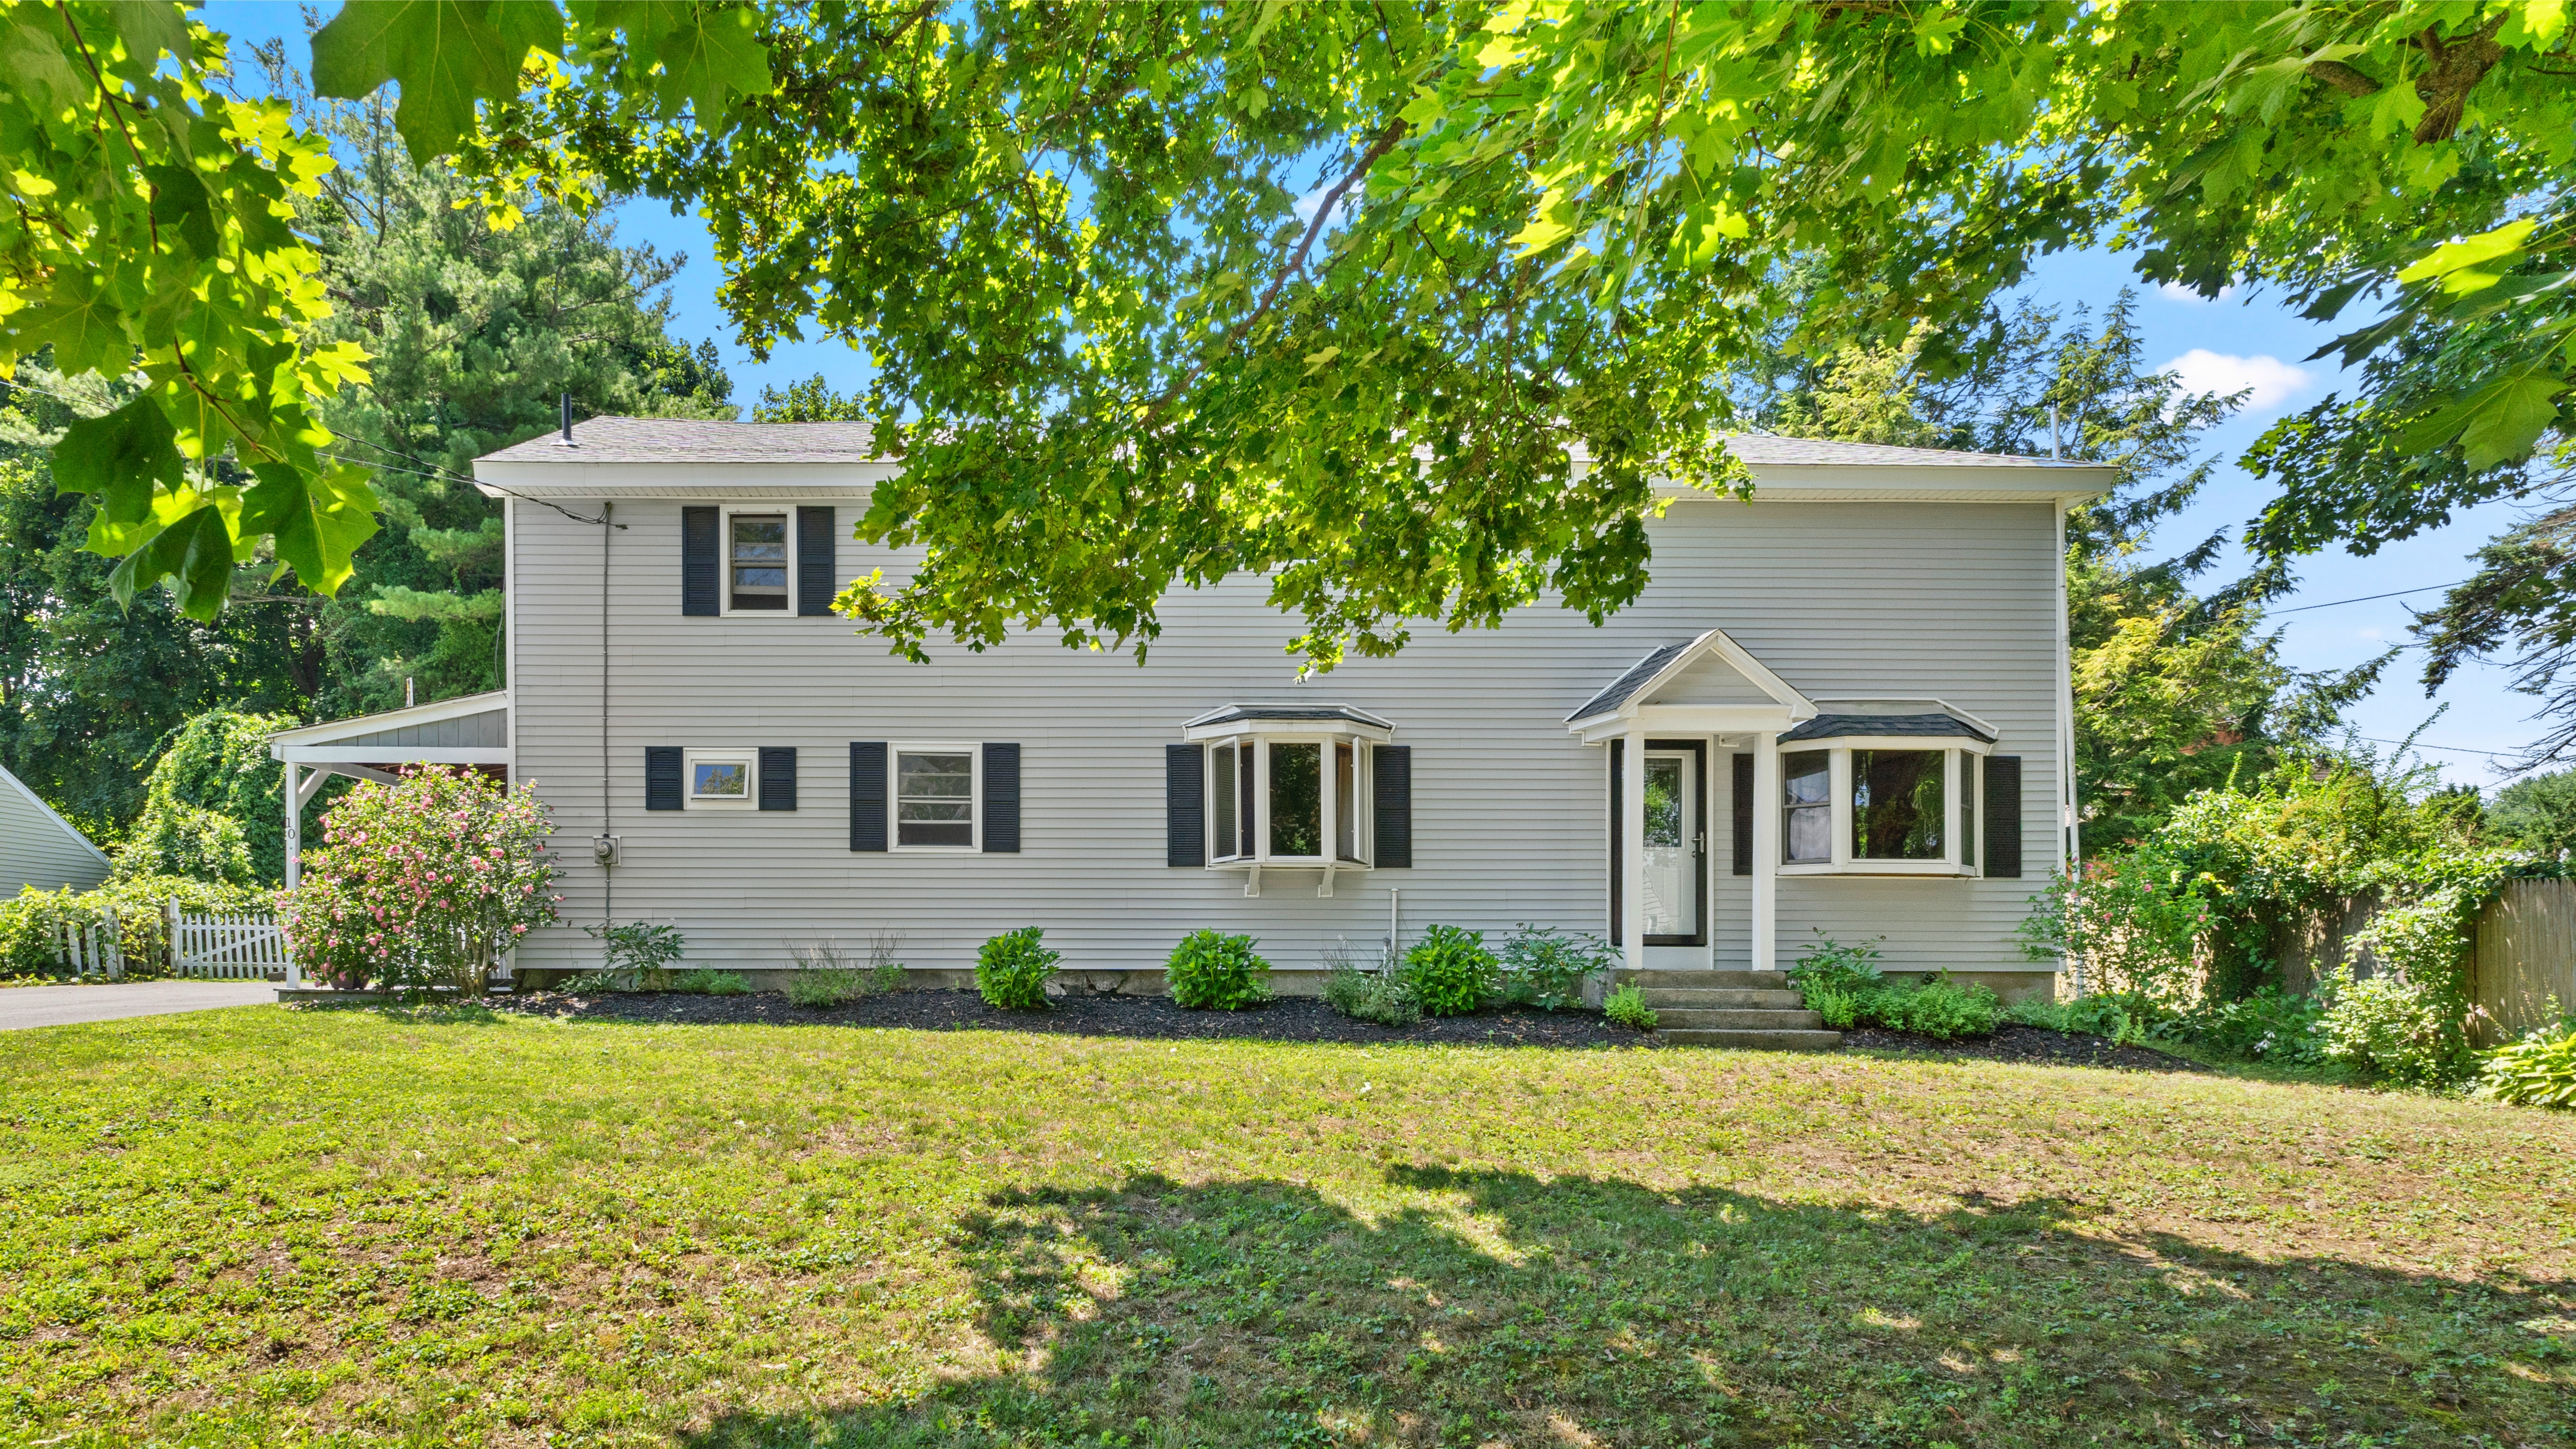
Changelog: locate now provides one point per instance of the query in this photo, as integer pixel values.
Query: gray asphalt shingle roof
(695, 440)
(1836, 726)
(1630, 682)
(705, 440)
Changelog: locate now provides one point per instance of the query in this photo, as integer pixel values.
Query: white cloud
(2177, 292)
(2272, 380)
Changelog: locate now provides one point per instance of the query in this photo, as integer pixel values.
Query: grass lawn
(260, 1228)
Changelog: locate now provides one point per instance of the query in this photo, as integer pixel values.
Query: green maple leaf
(120, 457)
(150, 27)
(195, 553)
(705, 51)
(320, 517)
(445, 54)
(2506, 418)
(84, 324)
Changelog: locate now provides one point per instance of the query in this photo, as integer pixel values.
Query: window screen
(1297, 799)
(757, 564)
(934, 800)
(721, 780)
(1806, 780)
(1221, 791)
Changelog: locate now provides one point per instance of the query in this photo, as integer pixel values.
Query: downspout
(2069, 841)
(607, 801)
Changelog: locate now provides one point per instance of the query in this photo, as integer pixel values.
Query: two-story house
(1842, 706)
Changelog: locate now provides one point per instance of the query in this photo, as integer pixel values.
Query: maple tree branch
(1234, 335)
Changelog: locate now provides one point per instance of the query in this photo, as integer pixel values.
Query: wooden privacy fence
(2524, 954)
(248, 946)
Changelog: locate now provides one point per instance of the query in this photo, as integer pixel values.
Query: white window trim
(1256, 736)
(1838, 750)
(974, 754)
(724, 557)
(689, 760)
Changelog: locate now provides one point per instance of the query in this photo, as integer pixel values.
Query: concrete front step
(1687, 1019)
(1683, 998)
(1709, 980)
(1759, 1041)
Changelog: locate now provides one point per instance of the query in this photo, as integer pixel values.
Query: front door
(1676, 846)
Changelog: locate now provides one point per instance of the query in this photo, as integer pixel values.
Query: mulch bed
(1290, 1018)
(2028, 1044)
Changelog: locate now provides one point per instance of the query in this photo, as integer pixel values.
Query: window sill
(1252, 870)
(1938, 869)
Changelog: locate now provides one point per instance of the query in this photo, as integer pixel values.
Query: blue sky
(2246, 339)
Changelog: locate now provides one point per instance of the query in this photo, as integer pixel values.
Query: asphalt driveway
(23, 1006)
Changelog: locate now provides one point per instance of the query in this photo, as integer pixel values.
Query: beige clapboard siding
(38, 849)
(1510, 815)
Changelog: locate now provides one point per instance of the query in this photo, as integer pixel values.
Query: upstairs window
(756, 562)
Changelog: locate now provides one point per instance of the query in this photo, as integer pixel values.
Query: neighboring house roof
(696, 440)
(38, 847)
(1838, 726)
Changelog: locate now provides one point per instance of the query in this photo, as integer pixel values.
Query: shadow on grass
(1600, 1311)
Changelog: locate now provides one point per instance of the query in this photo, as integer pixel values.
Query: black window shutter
(816, 578)
(662, 777)
(777, 778)
(867, 795)
(1184, 805)
(1743, 803)
(1001, 799)
(2003, 816)
(701, 562)
(1392, 771)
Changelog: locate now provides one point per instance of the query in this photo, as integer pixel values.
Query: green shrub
(1450, 971)
(1839, 1008)
(1829, 963)
(1939, 1009)
(636, 956)
(823, 977)
(1627, 1006)
(1373, 996)
(885, 965)
(2537, 1071)
(2271, 1025)
(2036, 1011)
(423, 883)
(1212, 971)
(2406, 1031)
(1549, 970)
(711, 983)
(1013, 969)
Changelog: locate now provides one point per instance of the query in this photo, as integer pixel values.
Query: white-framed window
(760, 559)
(1279, 799)
(1289, 785)
(720, 779)
(937, 802)
(1872, 806)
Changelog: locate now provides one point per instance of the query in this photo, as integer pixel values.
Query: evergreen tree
(2175, 691)
(476, 332)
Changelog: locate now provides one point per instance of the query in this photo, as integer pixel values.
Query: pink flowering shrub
(425, 883)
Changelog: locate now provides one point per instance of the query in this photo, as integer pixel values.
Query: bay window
(1864, 795)
(1288, 786)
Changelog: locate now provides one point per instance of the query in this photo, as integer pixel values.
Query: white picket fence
(248, 946)
(93, 952)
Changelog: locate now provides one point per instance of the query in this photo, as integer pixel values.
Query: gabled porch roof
(472, 729)
(1758, 699)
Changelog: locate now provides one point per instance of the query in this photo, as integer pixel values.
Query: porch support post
(1766, 851)
(294, 822)
(1632, 852)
